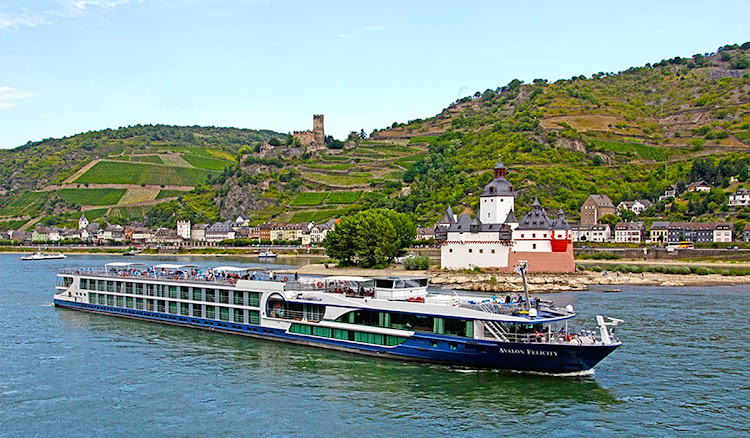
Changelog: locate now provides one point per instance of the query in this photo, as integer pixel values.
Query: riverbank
(537, 283)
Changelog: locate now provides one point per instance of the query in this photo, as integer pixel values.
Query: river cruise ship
(393, 317)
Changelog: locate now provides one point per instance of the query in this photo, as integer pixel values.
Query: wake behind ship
(392, 317)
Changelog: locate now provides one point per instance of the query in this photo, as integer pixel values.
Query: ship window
(197, 294)
(254, 316)
(433, 344)
(110, 286)
(129, 302)
(481, 251)
(224, 296)
(128, 288)
(83, 283)
(160, 307)
(211, 295)
(384, 283)
(450, 250)
(253, 299)
(139, 303)
(149, 289)
(470, 250)
(184, 309)
(172, 292)
(453, 346)
(224, 313)
(184, 293)
(238, 298)
(92, 298)
(172, 307)
(239, 316)
(196, 310)
(120, 301)
(493, 251)
(211, 312)
(150, 305)
(534, 246)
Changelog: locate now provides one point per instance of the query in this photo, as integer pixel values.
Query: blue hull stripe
(421, 346)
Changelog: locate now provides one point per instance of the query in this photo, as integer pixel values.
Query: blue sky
(69, 66)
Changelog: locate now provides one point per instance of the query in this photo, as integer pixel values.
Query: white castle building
(495, 238)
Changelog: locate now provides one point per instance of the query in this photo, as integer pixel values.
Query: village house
(638, 206)
(591, 233)
(746, 233)
(40, 234)
(113, 232)
(699, 186)
(219, 231)
(740, 198)
(141, 234)
(630, 232)
(724, 232)
(90, 232)
(264, 231)
(595, 207)
(166, 236)
(697, 232)
(425, 233)
(659, 232)
(669, 192)
(198, 232)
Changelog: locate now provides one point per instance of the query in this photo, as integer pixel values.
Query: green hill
(626, 134)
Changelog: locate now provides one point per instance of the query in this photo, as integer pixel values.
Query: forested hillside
(626, 134)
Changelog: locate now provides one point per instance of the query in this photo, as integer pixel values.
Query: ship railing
(584, 337)
(143, 275)
(320, 286)
(297, 315)
(494, 307)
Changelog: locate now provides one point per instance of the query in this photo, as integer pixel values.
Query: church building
(495, 238)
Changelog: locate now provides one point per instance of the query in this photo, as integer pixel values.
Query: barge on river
(392, 317)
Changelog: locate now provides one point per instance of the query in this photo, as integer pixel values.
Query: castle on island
(314, 140)
(495, 238)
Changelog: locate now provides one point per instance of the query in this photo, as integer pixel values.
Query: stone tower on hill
(314, 140)
(319, 133)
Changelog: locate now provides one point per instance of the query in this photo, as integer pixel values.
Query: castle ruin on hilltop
(314, 140)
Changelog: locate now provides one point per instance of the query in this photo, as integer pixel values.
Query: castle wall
(557, 262)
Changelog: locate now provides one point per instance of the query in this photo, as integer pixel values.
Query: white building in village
(496, 239)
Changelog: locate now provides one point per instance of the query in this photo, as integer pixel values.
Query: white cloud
(344, 36)
(15, 21)
(9, 96)
(373, 28)
(74, 8)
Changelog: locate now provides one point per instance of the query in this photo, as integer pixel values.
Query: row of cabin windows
(347, 335)
(411, 322)
(481, 251)
(175, 308)
(241, 298)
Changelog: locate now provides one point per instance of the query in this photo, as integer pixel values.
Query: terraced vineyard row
(317, 198)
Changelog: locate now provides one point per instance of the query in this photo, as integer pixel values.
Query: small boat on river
(267, 255)
(39, 255)
(390, 317)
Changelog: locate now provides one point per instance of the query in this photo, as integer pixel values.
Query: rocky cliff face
(240, 200)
